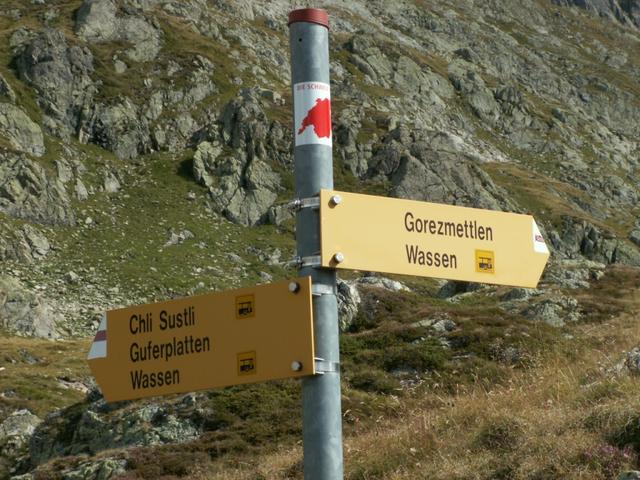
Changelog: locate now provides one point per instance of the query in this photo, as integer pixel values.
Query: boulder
(179, 238)
(632, 361)
(245, 127)
(382, 282)
(89, 428)
(574, 273)
(242, 190)
(247, 191)
(65, 172)
(110, 182)
(348, 303)
(25, 244)
(100, 21)
(432, 166)
(444, 325)
(15, 432)
(16, 429)
(27, 192)
(554, 311)
(520, 294)
(24, 313)
(80, 190)
(61, 76)
(96, 20)
(120, 128)
(21, 132)
(580, 237)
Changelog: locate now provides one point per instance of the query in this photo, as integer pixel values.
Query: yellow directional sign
(219, 339)
(364, 232)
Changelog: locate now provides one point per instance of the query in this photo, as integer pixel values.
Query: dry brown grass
(568, 419)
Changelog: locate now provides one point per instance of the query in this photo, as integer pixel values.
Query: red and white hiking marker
(99, 345)
(312, 105)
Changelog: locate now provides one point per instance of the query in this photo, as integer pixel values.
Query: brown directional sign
(215, 340)
(364, 232)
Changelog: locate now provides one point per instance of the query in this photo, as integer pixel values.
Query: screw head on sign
(336, 200)
(296, 366)
(294, 287)
(339, 257)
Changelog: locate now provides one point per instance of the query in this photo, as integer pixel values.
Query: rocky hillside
(145, 153)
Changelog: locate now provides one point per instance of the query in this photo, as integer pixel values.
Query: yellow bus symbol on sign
(247, 364)
(245, 306)
(485, 261)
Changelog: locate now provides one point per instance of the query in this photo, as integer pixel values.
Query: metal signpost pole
(322, 416)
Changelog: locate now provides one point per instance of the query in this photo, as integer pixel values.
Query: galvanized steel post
(322, 416)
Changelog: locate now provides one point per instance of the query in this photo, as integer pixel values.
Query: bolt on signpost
(322, 416)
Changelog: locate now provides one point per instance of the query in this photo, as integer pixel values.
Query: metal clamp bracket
(300, 203)
(318, 289)
(310, 261)
(322, 366)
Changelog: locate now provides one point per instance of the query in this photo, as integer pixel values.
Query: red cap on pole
(312, 15)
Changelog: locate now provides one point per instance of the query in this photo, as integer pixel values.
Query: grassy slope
(32, 370)
(561, 417)
(413, 409)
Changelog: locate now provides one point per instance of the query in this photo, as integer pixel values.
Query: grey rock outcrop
(179, 238)
(15, 432)
(100, 21)
(625, 11)
(382, 282)
(96, 20)
(350, 298)
(574, 273)
(81, 190)
(95, 427)
(64, 170)
(242, 190)
(477, 95)
(26, 191)
(102, 469)
(245, 127)
(61, 76)
(429, 166)
(6, 90)
(348, 303)
(25, 244)
(554, 311)
(629, 365)
(119, 128)
(579, 237)
(24, 313)
(242, 184)
(21, 132)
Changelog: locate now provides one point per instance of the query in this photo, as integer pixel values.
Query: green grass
(35, 386)
(129, 237)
